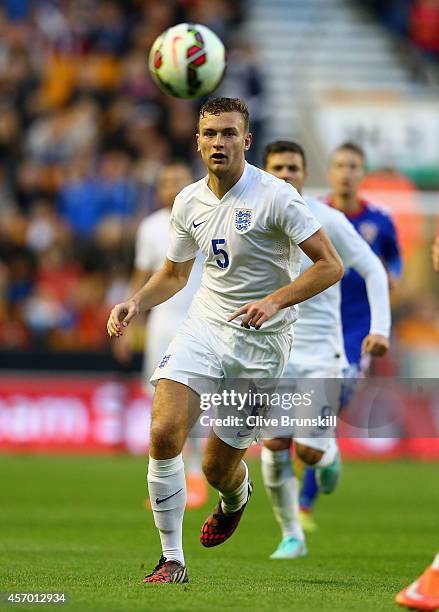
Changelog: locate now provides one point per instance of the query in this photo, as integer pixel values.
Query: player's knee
(277, 444)
(309, 455)
(165, 441)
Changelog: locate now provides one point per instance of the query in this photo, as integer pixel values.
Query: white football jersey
(249, 240)
(318, 337)
(150, 253)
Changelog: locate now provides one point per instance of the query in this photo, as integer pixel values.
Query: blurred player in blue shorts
(375, 225)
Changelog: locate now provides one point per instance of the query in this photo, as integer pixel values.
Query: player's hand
(375, 345)
(435, 254)
(255, 313)
(120, 317)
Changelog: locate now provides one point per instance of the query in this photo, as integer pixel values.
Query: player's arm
(391, 254)
(162, 285)
(357, 254)
(326, 270)
(139, 278)
(122, 350)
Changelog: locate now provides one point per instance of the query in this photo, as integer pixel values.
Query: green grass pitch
(77, 525)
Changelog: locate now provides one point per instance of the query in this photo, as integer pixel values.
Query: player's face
(172, 180)
(222, 141)
(346, 172)
(287, 166)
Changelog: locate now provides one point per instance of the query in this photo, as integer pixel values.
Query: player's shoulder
(275, 187)
(263, 177)
(379, 211)
(322, 208)
(327, 215)
(187, 197)
(269, 180)
(188, 192)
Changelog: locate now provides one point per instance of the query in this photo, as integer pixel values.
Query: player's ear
(197, 136)
(248, 141)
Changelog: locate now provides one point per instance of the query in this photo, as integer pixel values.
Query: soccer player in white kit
(317, 353)
(164, 320)
(248, 225)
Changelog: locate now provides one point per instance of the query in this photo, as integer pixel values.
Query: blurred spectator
(6, 195)
(79, 201)
(21, 274)
(244, 80)
(10, 141)
(394, 13)
(417, 20)
(44, 227)
(424, 26)
(109, 34)
(28, 183)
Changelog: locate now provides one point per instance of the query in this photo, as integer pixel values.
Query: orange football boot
(423, 593)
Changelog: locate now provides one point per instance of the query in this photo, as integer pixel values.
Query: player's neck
(347, 204)
(220, 185)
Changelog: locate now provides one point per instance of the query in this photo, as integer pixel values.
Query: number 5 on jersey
(223, 260)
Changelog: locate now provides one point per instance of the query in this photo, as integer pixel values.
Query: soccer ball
(187, 61)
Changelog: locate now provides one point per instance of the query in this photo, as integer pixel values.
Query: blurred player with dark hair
(317, 354)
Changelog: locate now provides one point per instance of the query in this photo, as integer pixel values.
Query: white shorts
(161, 329)
(203, 355)
(321, 384)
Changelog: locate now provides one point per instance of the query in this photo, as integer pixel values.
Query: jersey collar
(353, 215)
(237, 187)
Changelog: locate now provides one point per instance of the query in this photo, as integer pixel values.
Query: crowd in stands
(418, 20)
(83, 131)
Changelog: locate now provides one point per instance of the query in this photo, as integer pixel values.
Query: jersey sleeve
(357, 254)
(145, 258)
(292, 216)
(349, 244)
(390, 248)
(182, 246)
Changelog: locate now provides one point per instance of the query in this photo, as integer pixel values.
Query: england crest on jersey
(243, 219)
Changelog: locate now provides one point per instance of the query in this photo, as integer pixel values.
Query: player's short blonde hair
(216, 106)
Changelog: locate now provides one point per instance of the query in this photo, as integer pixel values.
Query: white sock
(233, 501)
(167, 492)
(329, 454)
(282, 490)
